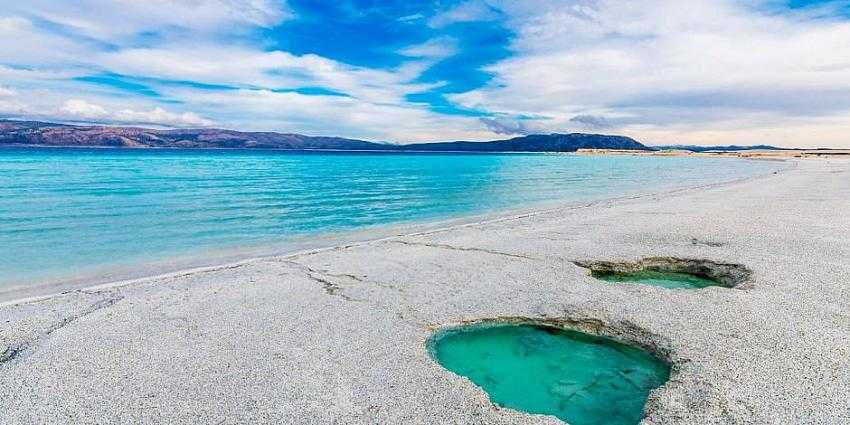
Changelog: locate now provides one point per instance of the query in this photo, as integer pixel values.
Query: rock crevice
(458, 248)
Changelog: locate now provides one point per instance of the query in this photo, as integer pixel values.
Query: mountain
(48, 134)
(729, 148)
(537, 143)
(34, 133)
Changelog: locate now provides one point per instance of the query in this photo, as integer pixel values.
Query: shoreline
(338, 334)
(763, 154)
(760, 154)
(332, 240)
(377, 151)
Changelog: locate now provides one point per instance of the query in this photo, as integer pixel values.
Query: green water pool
(579, 378)
(658, 278)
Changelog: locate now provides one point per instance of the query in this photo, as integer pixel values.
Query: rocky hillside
(47, 134)
(32, 133)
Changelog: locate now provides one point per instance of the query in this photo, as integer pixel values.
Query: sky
(662, 71)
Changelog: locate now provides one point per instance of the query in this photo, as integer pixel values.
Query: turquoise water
(579, 378)
(668, 280)
(84, 212)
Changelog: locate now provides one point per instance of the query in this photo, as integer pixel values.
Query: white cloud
(253, 109)
(468, 11)
(659, 68)
(334, 116)
(435, 48)
(7, 92)
(107, 19)
(246, 67)
(24, 44)
(159, 116)
(411, 18)
(83, 110)
(78, 108)
(10, 103)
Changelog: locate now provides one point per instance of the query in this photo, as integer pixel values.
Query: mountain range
(34, 133)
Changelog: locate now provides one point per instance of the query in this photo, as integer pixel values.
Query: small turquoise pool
(661, 279)
(577, 377)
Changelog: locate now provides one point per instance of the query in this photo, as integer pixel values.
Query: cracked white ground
(338, 335)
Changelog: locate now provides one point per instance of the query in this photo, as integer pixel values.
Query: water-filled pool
(658, 278)
(577, 377)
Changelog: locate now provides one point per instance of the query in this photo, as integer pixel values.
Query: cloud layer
(702, 71)
(663, 71)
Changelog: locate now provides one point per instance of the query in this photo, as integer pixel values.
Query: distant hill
(48, 134)
(716, 148)
(34, 133)
(537, 143)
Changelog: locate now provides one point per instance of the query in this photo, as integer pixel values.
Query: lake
(99, 214)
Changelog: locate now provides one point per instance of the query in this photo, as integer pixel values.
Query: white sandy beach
(338, 335)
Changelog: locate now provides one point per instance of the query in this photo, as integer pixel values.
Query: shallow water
(70, 213)
(669, 280)
(579, 378)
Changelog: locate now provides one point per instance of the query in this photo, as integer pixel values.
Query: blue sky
(379, 34)
(702, 72)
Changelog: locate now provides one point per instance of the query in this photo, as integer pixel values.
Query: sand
(338, 335)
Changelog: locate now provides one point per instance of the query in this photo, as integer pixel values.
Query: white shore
(338, 335)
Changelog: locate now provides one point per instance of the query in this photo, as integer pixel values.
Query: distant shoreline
(175, 148)
(751, 154)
